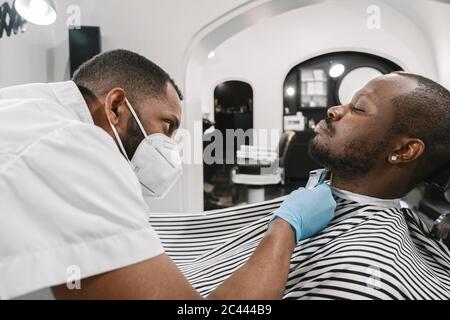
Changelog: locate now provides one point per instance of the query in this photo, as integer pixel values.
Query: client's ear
(408, 150)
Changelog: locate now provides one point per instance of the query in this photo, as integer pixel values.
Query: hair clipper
(317, 177)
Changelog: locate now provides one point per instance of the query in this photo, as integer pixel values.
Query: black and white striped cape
(367, 252)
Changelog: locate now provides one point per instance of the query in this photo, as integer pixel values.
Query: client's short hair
(424, 113)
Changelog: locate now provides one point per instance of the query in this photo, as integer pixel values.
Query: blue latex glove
(307, 211)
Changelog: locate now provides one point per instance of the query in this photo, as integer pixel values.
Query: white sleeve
(70, 199)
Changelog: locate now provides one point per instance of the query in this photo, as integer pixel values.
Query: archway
(208, 38)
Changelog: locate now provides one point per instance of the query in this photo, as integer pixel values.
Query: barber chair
(257, 167)
(436, 203)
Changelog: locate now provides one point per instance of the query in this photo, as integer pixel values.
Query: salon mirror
(355, 80)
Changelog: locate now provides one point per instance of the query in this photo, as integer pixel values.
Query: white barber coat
(69, 201)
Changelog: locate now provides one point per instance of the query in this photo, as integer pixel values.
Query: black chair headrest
(285, 146)
(441, 179)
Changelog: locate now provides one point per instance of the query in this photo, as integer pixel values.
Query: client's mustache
(330, 128)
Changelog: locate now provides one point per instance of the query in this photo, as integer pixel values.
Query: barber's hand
(307, 211)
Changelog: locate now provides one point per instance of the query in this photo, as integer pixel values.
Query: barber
(74, 159)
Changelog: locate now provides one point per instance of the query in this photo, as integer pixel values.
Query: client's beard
(356, 157)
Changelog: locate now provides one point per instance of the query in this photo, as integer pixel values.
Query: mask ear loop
(136, 118)
(119, 141)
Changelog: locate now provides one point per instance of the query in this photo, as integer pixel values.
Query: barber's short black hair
(424, 113)
(137, 75)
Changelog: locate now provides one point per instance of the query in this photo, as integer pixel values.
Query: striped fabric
(368, 251)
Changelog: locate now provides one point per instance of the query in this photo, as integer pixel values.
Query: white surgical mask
(156, 162)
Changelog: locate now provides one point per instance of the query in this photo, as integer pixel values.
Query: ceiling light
(40, 12)
(290, 91)
(337, 70)
(211, 55)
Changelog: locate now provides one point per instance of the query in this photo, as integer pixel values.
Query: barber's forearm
(264, 276)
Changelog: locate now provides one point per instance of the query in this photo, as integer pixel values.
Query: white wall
(159, 29)
(264, 53)
(25, 57)
(433, 19)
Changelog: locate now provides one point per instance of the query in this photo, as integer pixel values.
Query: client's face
(356, 137)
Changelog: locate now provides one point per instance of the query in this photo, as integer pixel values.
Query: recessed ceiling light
(337, 70)
(211, 55)
(290, 91)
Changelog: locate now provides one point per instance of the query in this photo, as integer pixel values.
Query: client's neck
(372, 185)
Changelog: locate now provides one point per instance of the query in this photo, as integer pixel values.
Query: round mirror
(355, 80)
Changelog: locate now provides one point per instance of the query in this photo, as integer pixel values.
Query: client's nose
(336, 113)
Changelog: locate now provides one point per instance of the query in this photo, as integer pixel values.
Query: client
(393, 134)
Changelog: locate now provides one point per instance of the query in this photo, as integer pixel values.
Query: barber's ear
(408, 151)
(115, 105)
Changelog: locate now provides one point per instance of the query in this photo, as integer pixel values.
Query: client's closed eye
(358, 108)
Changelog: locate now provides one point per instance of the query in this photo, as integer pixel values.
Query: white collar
(70, 97)
(385, 203)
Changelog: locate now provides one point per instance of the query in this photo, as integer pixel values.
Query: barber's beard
(355, 158)
(133, 137)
